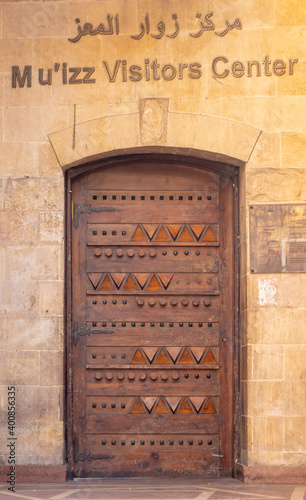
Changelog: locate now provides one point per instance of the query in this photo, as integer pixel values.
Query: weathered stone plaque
(278, 238)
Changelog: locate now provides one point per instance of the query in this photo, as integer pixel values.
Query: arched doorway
(151, 315)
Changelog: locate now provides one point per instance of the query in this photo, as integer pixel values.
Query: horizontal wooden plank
(122, 443)
(147, 333)
(124, 405)
(192, 214)
(135, 355)
(153, 424)
(133, 308)
(154, 234)
(133, 381)
(164, 283)
(96, 197)
(157, 174)
(149, 464)
(158, 259)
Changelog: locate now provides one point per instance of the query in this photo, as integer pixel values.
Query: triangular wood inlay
(162, 407)
(174, 229)
(209, 236)
(197, 352)
(142, 278)
(197, 229)
(197, 402)
(130, 284)
(162, 235)
(185, 235)
(149, 402)
(94, 279)
(150, 352)
(139, 358)
(138, 408)
(153, 285)
(208, 407)
(185, 407)
(173, 401)
(139, 235)
(150, 229)
(162, 358)
(209, 359)
(165, 278)
(106, 284)
(174, 352)
(186, 358)
(118, 278)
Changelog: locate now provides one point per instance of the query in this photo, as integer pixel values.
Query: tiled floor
(154, 489)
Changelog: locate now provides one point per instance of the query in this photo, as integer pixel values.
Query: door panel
(152, 314)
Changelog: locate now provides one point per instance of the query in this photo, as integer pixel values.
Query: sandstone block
(295, 366)
(19, 297)
(20, 367)
(34, 123)
(38, 403)
(47, 162)
(153, 121)
(18, 228)
(293, 149)
(27, 439)
(295, 434)
(51, 368)
(50, 442)
(94, 136)
(231, 108)
(85, 112)
(33, 194)
(268, 434)
(268, 362)
(51, 298)
(51, 227)
(39, 263)
(296, 11)
(15, 52)
(295, 282)
(267, 398)
(118, 126)
(266, 151)
(30, 333)
(276, 326)
(17, 159)
(67, 145)
(297, 396)
(276, 114)
(256, 14)
(284, 185)
(38, 19)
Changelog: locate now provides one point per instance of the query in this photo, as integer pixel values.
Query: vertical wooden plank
(227, 268)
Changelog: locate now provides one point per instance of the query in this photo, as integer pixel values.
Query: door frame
(229, 175)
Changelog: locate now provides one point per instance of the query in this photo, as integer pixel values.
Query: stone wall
(208, 117)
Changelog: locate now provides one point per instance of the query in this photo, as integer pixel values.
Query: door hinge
(84, 330)
(86, 455)
(79, 209)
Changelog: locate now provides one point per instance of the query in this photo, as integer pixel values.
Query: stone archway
(155, 128)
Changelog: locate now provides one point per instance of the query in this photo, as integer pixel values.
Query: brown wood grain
(152, 302)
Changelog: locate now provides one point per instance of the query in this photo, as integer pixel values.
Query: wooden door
(152, 316)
